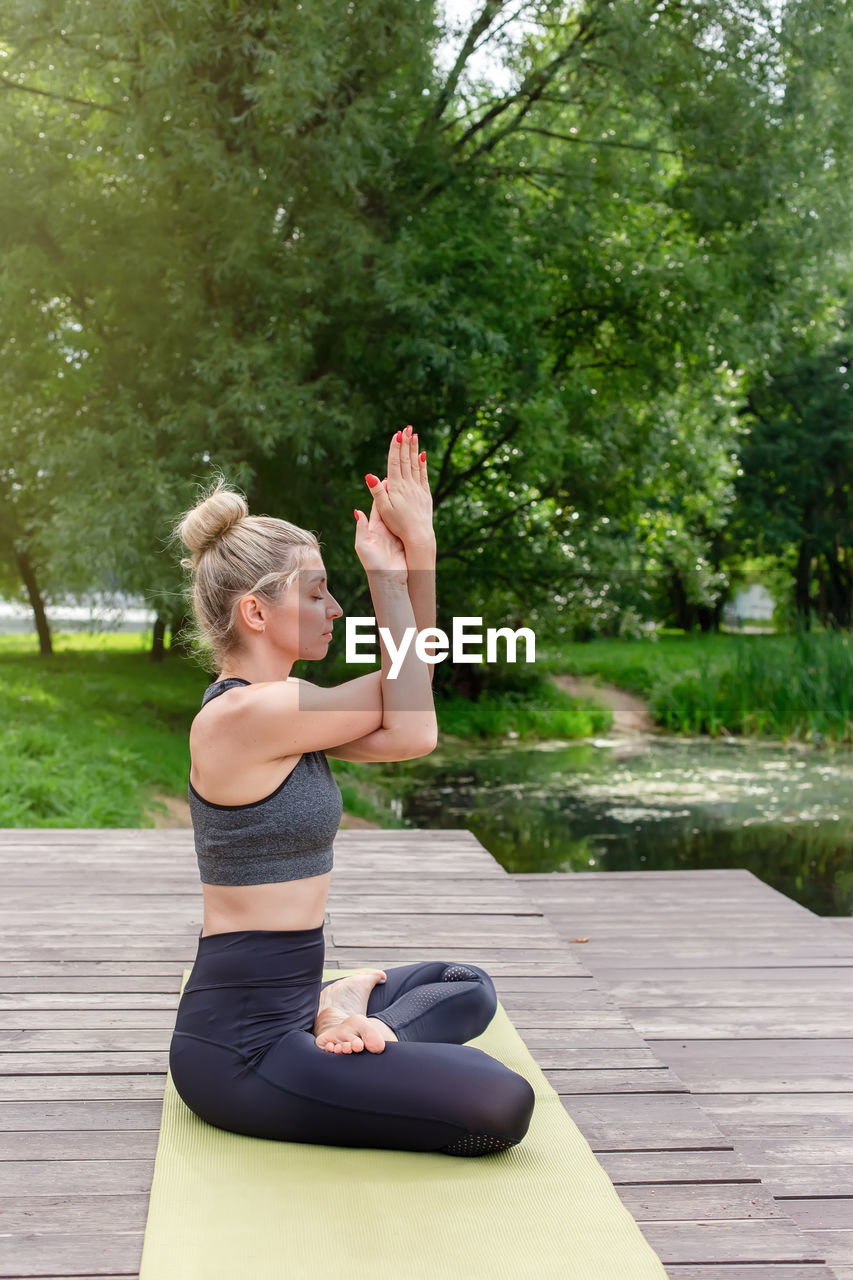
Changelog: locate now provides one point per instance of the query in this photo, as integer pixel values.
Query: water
(648, 802)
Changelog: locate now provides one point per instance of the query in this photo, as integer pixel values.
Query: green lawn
(90, 734)
(783, 686)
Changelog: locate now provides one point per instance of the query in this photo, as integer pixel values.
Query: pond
(648, 802)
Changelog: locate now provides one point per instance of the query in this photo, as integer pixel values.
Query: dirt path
(630, 714)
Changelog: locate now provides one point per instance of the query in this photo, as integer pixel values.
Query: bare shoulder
(271, 719)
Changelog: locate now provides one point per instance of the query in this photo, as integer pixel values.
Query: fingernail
(371, 479)
(422, 456)
(355, 513)
(399, 437)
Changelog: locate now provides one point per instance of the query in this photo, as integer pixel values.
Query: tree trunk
(158, 651)
(25, 568)
(683, 613)
(836, 603)
(178, 638)
(838, 589)
(710, 616)
(802, 575)
(821, 590)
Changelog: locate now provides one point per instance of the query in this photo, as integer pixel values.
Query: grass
(542, 712)
(91, 735)
(791, 687)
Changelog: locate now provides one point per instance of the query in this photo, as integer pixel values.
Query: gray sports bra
(286, 835)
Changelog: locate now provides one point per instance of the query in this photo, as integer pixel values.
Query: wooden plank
(819, 1019)
(668, 1202)
(56, 1177)
(77, 1252)
(815, 1180)
(758, 1066)
(27, 1020)
(51, 1146)
(719, 988)
(77, 1085)
(650, 1121)
(778, 1153)
(654, 1081)
(108, 1213)
(119, 1115)
(835, 1246)
(107, 1063)
(747, 1115)
(820, 1212)
(752, 1241)
(627, 1168)
(769, 1271)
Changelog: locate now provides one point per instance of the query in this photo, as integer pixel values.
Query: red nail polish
(422, 456)
(399, 437)
(355, 513)
(371, 480)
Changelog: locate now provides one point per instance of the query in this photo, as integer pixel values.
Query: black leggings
(243, 1057)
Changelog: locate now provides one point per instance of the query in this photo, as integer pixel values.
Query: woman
(261, 1045)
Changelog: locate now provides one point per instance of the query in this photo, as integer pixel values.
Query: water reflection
(649, 802)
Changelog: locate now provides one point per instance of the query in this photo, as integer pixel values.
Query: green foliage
(795, 687)
(264, 240)
(87, 736)
(794, 491)
(548, 713)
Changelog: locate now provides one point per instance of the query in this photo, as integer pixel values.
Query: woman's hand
(403, 498)
(378, 549)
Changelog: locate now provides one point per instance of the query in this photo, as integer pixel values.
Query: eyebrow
(318, 577)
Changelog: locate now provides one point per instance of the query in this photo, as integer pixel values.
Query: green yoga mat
(227, 1207)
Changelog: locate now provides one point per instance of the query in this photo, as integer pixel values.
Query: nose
(336, 611)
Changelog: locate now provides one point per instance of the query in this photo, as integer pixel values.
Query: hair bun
(203, 526)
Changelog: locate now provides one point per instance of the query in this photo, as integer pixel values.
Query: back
(286, 835)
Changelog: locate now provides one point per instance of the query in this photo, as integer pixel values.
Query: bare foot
(354, 1034)
(345, 997)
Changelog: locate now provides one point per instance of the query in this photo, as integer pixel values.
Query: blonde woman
(261, 1045)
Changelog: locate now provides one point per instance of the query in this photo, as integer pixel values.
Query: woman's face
(304, 620)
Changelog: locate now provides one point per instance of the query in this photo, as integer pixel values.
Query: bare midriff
(293, 904)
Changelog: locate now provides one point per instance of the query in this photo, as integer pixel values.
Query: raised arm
(404, 501)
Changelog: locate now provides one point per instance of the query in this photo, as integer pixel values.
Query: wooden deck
(698, 1039)
(747, 996)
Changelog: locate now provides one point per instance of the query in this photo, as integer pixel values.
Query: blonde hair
(234, 555)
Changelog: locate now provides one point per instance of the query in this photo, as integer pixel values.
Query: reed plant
(791, 687)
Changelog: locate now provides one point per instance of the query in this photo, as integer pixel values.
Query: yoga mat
(228, 1207)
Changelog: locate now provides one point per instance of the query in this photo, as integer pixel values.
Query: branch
(454, 436)
(490, 524)
(5, 83)
(527, 94)
(461, 476)
(531, 88)
(490, 11)
(600, 142)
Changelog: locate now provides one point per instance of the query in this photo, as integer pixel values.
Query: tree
(281, 232)
(797, 463)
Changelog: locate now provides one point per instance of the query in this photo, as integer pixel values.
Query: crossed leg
(429, 1001)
